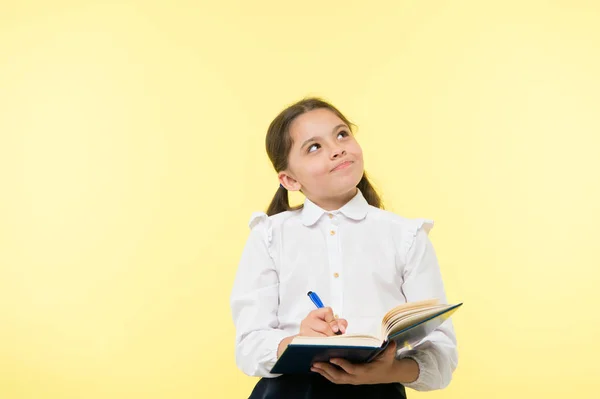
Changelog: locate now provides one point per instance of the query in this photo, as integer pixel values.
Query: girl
(360, 259)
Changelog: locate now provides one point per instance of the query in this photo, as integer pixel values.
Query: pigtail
(280, 202)
(368, 191)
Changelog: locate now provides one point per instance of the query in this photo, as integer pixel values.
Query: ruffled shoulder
(406, 231)
(425, 224)
(256, 218)
(260, 221)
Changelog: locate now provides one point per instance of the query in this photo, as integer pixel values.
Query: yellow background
(132, 155)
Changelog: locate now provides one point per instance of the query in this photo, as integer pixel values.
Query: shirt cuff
(424, 380)
(269, 358)
(272, 354)
(257, 354)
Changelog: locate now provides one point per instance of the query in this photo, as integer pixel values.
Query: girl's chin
(342, 186)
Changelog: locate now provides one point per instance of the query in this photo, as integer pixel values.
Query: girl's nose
(337, 152)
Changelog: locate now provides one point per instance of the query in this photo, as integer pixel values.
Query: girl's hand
(384, 369)
(321, 322)
(318, 323)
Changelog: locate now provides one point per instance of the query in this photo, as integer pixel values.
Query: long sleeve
(436, 355)
(254, 304)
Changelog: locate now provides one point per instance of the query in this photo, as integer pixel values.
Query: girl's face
(325, 160)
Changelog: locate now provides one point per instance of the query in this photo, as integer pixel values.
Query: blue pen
(315, 299)
(318, 303)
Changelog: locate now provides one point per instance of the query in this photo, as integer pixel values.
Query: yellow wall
(131, 157)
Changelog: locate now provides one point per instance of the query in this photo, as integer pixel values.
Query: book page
(405, 307)
(339, 340)
(414, 317)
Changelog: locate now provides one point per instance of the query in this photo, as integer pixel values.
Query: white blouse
(360, 260)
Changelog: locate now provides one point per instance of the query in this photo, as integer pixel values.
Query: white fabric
(380, 260)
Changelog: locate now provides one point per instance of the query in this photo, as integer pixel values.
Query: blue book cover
(405, 329)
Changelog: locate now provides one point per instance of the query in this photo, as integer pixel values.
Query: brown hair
(279, 144)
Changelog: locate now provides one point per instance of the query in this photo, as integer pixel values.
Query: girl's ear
(288, 181)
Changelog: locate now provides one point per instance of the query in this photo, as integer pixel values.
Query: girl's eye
(316, 146)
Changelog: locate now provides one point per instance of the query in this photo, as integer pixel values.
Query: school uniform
(362, 261)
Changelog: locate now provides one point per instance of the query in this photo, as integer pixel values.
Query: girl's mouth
(343, 165)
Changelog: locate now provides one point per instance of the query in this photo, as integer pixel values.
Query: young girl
(360, 259)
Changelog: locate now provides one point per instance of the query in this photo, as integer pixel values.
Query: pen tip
(308, 293)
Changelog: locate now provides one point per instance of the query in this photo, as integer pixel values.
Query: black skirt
(315, 386)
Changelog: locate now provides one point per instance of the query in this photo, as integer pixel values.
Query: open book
(406, 324)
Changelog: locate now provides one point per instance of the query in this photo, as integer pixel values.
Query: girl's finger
(332, 374)
(321, 327)
(325, 314)
(343, 324)
(335, 327)
(391, 349)
(345, 365)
